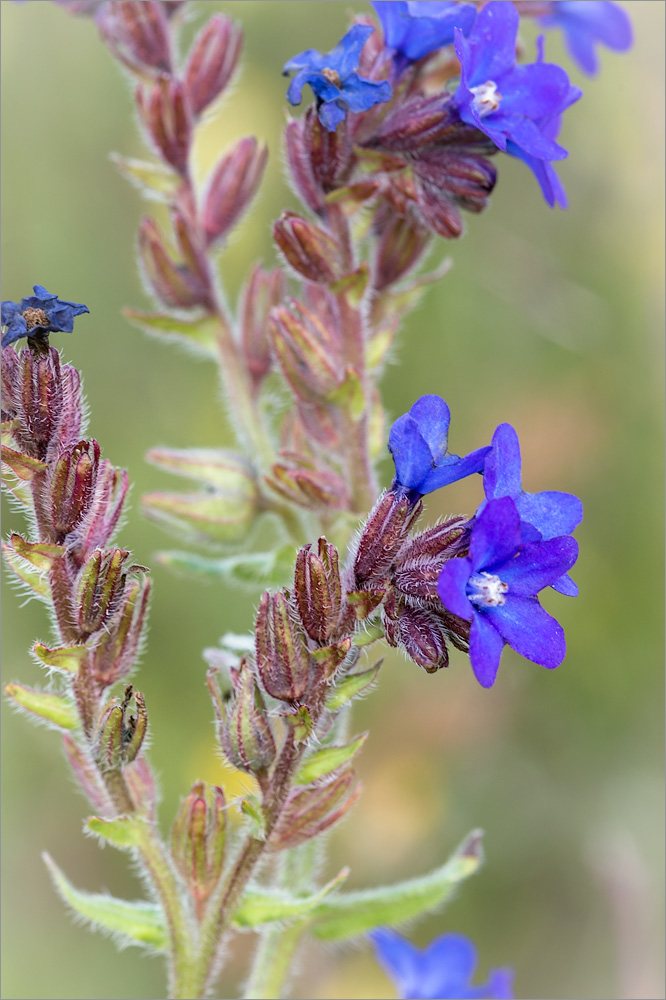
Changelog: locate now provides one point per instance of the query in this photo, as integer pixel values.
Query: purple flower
(38, 314)
(496, 587)
(440, 972)
(588, 23)
(334, 80)
(415, 29)
(518, 107)
(418, 442)
(543, 515)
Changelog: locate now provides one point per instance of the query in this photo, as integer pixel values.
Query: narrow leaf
(123, 831)
(253, 569)
(130, 921)
(54, 708)
(67, 658)
(37, 581)
(350, 914)
(351, 686)
(41, 555)
(23, 466)
(263, 906)
(323, 762)
(198, 335)
(154, 180)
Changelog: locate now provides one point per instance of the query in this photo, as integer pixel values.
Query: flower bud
(264, 291)
(71, 485)
(197, 840)
(172, 283)
(212, 60)
(280, 651)
(165, 113)
(97, 527)
(9, 378)
(121, 734)
(383, 536)
(300, 165)
(98, 588)
(136, 31)
(310, 250)
(446, 180)
(192, 252)
(318, 590)
(38, 394)
(401, 245)
(422, 635)
(330, 153)
(232, 186)
(419, 122)
(245, 735)
(311, 488)
(309, 812)
(114, 654)
(308, 351)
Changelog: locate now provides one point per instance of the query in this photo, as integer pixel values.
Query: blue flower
(418, 442)
(38, 314)
(586, 24)
(495, 589)
(518, 107)
(334, 80)
(415, 29)
(440, 972)
(543, 515)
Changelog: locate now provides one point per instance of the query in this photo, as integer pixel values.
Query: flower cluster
(475, 582)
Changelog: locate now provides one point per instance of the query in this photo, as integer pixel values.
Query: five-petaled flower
(418, 442)
(442, 971)
(518, 107)
(543, 515)
(586, 23)
(37, 315)
(334, 80)
(495, 589)
(414, 29)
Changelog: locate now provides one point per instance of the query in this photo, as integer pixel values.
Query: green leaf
(263, 906)
(251, 808)
(351, 686)
(198, 335)
(301, 723)
(353, 285)
(129, 921)
(349, 396)
(23, 466)
(123, 831)
(36, 580)
(154, 180)
(323, 762)
(252, 569)
(350, 914)
(372, 631)
(57, 709)
(41, 555)
(67, 658)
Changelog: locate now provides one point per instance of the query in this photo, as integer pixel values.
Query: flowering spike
(212, 61)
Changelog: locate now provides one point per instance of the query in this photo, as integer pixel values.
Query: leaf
(373, 631)
(263, 906)
(353, 285)
(154, 180)
(130, 921)
(198, 335)
(41, 555)
(301, 723)
(251, 808)
(55, 708)
(349, 396)
(123, 831)
(351, 686)
(23, 466)
(67, 658)
(252, 569)
(350, 914)
(37, 581)
(323, 762)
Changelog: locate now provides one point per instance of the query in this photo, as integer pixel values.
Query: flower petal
(454, 468)
(399, 957)
(360, 95)
(550, 512)
(538, 565)
(345, 56)
(485, 650)
(451, 587)
(331, 114)
(565, 585)
(493, 41)
(501, 472)
(410, 451)
(495, 534)
(433, 417)
(530, 630)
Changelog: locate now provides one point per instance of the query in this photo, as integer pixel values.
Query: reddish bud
(165, 113)
(245, 734)
(309, 487)
(232, 186)
(330, 153)
(419, 122)
(212, 61)
(308, 351)
(448, 180)
(172, 283)
(71, 485)
(310, 250)
(263, 291)
(38, 396)
(197, 840)
(300, 166)
(309, 812)
(192, 252)
(401, 245)
(318, 590)
(98, 589)
(280, 651)
(423, 635)
(114, 654)
(137, 33)
(97, 527)
(383, 536)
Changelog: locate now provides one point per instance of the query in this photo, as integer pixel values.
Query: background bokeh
(551, 320)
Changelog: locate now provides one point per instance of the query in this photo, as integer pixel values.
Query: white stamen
(486, 98)
(489, 591)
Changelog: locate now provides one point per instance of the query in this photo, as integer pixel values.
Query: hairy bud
(99, 585)
(309, 487)
(401, 245)
(173, 284)
(46, 401)
(197, 840)
(309, 812)
(308, 351)
(300, 165)
(245, 735)
(330, 153)
(120, 733)
(212, 61)
(71, 485)
(97, 527)
(263, 291)
(383, 536)
(318, 590)
(280, 651)
(310, 250)
(232, 186)
(115, 652)
(136, 32)
(421, 633)
(164, 110)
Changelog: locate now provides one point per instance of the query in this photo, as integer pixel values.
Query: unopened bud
(114, 654)
(121, 733)
(99, 585)
(308, 351)
(423, 636)
(330, 153)
(417, 123)
(232, 186)
(314, 489)
(264, 291)
(449, 180)
(245, 737)
(99, 524)
(136, 31)
(310, 250)
(309, 812)
(318, 590)
(212, 61)
(38, 398)
(192, 252)
(280, 651)
(172, 283)
(300, 165)
(383, 536)
(165, 113)
(420, 562)
(402, 243)
(197, 840)
(72, 484)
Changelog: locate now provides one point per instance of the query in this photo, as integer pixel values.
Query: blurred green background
(550, 320)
